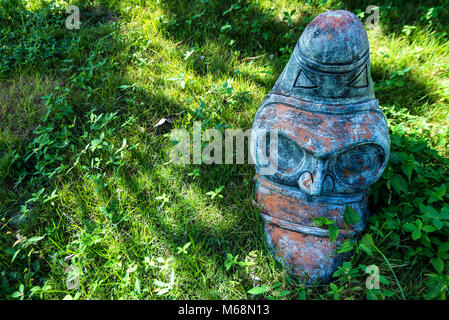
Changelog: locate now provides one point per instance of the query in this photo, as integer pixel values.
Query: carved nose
(318, 183)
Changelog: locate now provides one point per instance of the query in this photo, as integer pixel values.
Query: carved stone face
(332, 144)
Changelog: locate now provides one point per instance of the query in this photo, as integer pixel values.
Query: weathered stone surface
(333, 144)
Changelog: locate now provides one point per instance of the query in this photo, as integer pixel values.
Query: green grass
(86, 183)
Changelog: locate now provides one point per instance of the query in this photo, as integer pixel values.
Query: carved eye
(360, 165)
(361, 80)
(303, 81)
(290, 157)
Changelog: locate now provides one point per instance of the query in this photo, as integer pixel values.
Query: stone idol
(331, 144)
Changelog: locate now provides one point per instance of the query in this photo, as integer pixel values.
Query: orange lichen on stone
(302, 254)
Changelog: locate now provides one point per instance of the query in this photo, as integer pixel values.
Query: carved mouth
(336, 198)
(284, 203)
